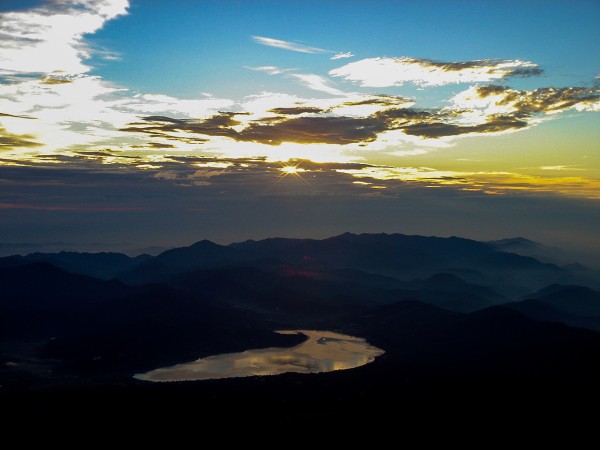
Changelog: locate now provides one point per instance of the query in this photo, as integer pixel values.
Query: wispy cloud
(561, 168)
(490, 183)
(382, 72)
(293, 46)
(342, 55)
(271, 70)
(316, 82)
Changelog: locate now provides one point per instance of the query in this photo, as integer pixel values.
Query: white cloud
(271, 70)
(295, 47)
(342, 55)
(50, 38)
(43, 62)
(554, 168)
(382, 72)
(316, 82)
(414, 152)
(158, 104)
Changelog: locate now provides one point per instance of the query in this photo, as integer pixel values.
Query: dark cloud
(296, 110)
(160, 126)
(494, 124)
(55, 80)
(312, 130)
(490, 64)
(269, 130)
(542, 100)
(526, 72)
(382, 100)
(8, 141)
(154, 145)
(15, 116)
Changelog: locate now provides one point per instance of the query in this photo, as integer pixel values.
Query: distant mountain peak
(563, 289)
(516, 241)
(204, 243)
(446, 278)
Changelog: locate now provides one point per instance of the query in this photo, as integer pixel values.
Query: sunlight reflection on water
(323, 351)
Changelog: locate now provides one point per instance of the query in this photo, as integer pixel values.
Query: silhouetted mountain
(407, 257)
(497, 342)
(453, 293)
(277, 294)
(42, 286)
(516, 245)
(98, 265)
(388, 254)
(201, 255)
(41, 300)
(412, 296)
(548, 254)
(157, 327)
(573, 305)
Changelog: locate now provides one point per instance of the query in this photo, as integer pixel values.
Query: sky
(140, 125)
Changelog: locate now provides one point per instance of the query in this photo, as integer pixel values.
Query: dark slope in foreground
(438, 366)
(496, 343)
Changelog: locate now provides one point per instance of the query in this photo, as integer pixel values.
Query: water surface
(323, 351)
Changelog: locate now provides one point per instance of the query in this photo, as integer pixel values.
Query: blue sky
(436, 107)
(193, 46)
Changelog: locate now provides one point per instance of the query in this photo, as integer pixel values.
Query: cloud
(81, 115)
(14, 116)
(271, 70)
(485, 101)
(313, 130)
(50, 37)
(429, 128)
(43, 64)
(159, 104)
(295, 47)
(414, 152)
(342, 55)
(52, 79)
(317, 83)
(295, 110)
(383, 72)
(363, 119)
(9, 141)
(268, 130)
(568, 168)
(489, 183)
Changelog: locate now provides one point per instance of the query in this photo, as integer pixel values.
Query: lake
(323, 351)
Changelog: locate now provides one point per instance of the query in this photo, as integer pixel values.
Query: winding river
(323, 351)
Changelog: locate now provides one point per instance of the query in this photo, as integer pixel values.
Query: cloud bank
(476, 111)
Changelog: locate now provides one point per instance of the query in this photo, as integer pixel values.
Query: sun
(295, 172)
(290, 170)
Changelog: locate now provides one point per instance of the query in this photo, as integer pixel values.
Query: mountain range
(444, 310)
